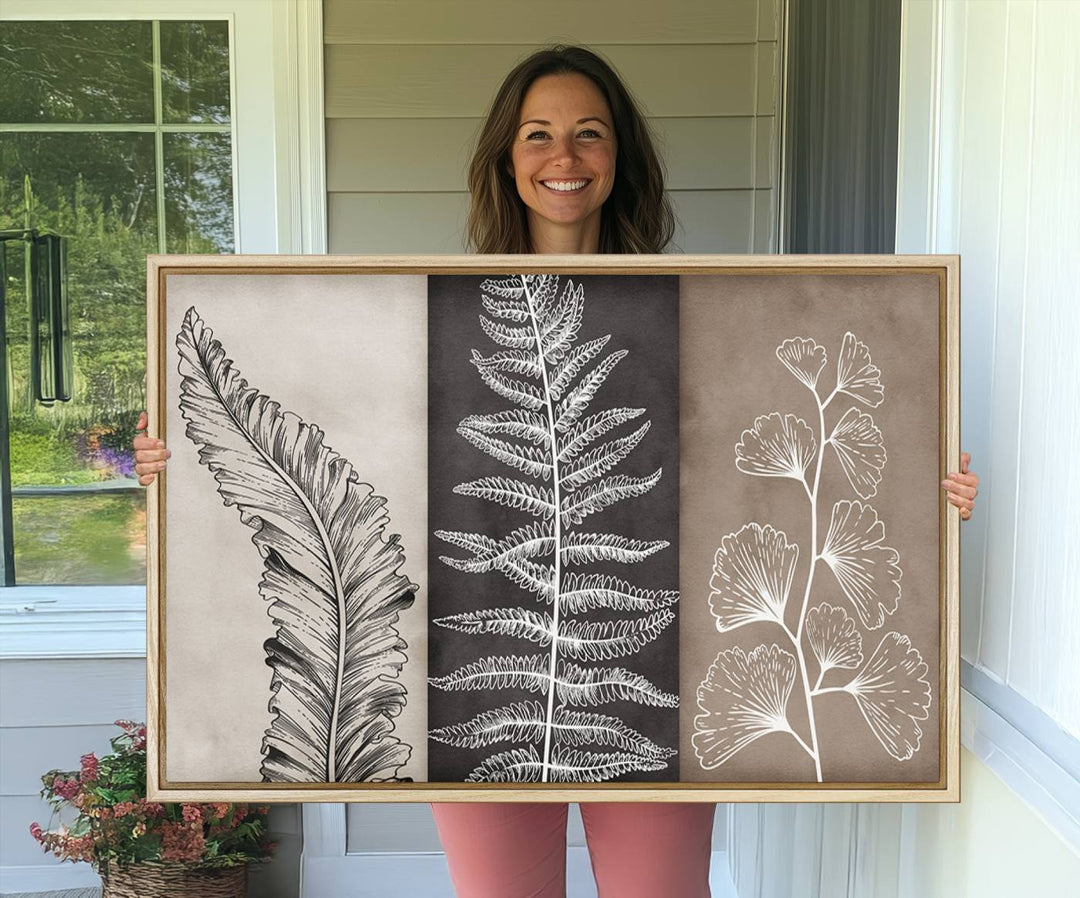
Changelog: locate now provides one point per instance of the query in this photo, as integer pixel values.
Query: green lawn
(81, 539)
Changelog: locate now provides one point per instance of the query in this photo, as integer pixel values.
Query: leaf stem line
(558, 531)
(814, 557)
(335, 572)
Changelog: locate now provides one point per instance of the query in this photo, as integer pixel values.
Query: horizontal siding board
(390, 827)
(72, 692)
(515, 22)
(392, 154)
(713, 221)
(397, 222)
(710, 221)
(17, 846)
(375, 81)
(28, 752)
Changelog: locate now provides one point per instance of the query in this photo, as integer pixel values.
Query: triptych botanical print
(551, 528)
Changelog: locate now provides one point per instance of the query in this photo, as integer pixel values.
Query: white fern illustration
(745, 696)
(548, 437)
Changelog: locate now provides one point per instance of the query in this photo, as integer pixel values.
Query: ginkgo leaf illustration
(555, 436)
(861, 452)
(804, 358)
(331, 574)
(777, 446)
(893, 694)
(752, 573)
(834, 638)
(856, 375)
(743, 698)
(868, 572)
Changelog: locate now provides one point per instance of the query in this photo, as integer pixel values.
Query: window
(118, 136)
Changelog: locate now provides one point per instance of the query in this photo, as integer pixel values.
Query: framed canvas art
(526, 528)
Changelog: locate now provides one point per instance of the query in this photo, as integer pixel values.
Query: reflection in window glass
(195, 71)
(76, 72)
(79, 514)
(82, 540)
(198, 193)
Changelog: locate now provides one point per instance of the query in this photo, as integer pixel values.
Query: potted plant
(142, 848)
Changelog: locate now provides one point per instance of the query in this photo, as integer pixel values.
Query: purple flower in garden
(119, 462)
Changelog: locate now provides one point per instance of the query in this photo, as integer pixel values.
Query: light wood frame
(946, 267)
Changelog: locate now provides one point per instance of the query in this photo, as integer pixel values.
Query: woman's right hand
(150, 454)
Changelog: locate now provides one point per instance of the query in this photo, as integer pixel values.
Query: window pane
(82, 539)
(98, 190)
(76, 72)
(195, 71)
(198, 193)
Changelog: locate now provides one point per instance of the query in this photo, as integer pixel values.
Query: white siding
(1004, 191)
(407, 84)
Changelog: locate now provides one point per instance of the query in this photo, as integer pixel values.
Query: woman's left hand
(962, 488)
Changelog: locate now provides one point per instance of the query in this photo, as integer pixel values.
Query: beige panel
(397, 222)
(518, 22)
(390, 154)
(712, 221)
(458, 81)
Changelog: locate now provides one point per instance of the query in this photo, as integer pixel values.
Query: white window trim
(278, 140)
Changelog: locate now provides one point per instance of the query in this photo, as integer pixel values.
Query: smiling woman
(563, 162)
(563, 117)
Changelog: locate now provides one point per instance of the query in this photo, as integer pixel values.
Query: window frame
(277, 119)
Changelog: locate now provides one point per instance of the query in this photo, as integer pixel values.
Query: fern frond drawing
(745, 696)
(331, 574)
(557, 442)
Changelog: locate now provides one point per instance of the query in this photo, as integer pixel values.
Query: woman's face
(563, 154)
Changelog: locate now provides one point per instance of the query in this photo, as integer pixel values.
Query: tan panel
(458, 81)
(393, 154)
(515, 22)
(713, 221)
(397, 222)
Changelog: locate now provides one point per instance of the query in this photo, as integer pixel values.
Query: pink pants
(518, 849)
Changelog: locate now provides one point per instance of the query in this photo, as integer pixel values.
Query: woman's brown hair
(636, 218)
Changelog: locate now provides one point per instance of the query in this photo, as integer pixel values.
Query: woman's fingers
(141, 424)
(961, 487)
(147, 455)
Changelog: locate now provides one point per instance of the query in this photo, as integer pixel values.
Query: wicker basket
(149, 880)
